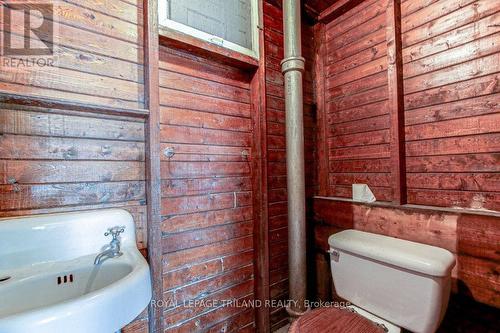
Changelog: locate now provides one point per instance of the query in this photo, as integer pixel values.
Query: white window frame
(254, 52)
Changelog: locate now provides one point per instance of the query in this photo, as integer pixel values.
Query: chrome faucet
(113, 249)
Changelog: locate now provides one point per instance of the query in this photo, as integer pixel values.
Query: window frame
(204, 36)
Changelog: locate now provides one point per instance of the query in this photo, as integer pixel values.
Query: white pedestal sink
(48, 280)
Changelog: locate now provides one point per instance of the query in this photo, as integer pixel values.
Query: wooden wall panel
(277, 194)
(98, 55)
(450, 56)
(450, 75)
(54, 161)
(206, 186)
(356, 97)
(451, 98)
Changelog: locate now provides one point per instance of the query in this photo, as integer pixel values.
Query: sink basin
(48, 280)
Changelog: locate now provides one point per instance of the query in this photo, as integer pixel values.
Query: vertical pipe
(292, 67)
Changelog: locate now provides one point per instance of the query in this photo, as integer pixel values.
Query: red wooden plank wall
(98, 55)
(451, 55)
(451, 66)
(206, 120)
(55, 160)
(356, 100)
(278, 237)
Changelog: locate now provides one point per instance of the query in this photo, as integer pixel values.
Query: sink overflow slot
(4, 278)
(65, 279)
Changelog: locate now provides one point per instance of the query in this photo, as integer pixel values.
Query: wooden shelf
(62, 104)
(413, 207)
(178, 40)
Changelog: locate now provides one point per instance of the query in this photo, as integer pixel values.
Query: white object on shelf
(362, 193)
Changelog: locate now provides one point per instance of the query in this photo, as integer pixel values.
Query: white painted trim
(254, 52)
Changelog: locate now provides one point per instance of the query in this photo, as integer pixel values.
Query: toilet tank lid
(421, 258)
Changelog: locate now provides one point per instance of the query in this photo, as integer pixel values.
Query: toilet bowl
(394, 283)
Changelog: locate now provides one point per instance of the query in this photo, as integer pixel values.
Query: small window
(229, 23)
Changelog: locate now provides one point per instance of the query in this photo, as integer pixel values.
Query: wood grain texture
(211, 206)
(260, 184)
(447, 65)
(319, 79)
(97, 58)
(439, 63)
(152, 165)
(396, 101)
(451, 100)
(320, 320)
(363, 95)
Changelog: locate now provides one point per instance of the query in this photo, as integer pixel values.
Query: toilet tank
(403, 282)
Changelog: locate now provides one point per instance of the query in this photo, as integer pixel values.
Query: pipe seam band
(293, 64)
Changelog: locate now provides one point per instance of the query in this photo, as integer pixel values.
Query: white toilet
(392, 282)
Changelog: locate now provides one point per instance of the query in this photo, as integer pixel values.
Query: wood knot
(15, 185)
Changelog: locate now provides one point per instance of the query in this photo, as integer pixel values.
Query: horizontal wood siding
(451, 69)
(55, 161)
(206, 186)
(451, 64)
(98, 55)
(356, 101)
(451, 55)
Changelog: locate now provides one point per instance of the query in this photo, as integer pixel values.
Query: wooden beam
(321, 121)
(338, 8)
(177, 40)
(153, 178)
(68, 105)
(396, 101)
(260, 186)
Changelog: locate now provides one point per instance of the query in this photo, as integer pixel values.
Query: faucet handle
(115, 231)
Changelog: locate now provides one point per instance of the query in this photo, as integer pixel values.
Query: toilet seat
(336, 320)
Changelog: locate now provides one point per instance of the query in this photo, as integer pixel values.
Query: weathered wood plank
(33, 147)
(181, 99)
(21, 196)
(186, 257)
(451, 21)
(356, 46)
(449, 198)
(455, 127)
(475, 30)
(482, 143)
(478, 106)
(192, 135)
(193, 221)
(13, 121)
(41, 172)
(476, 87)
(474, 162)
